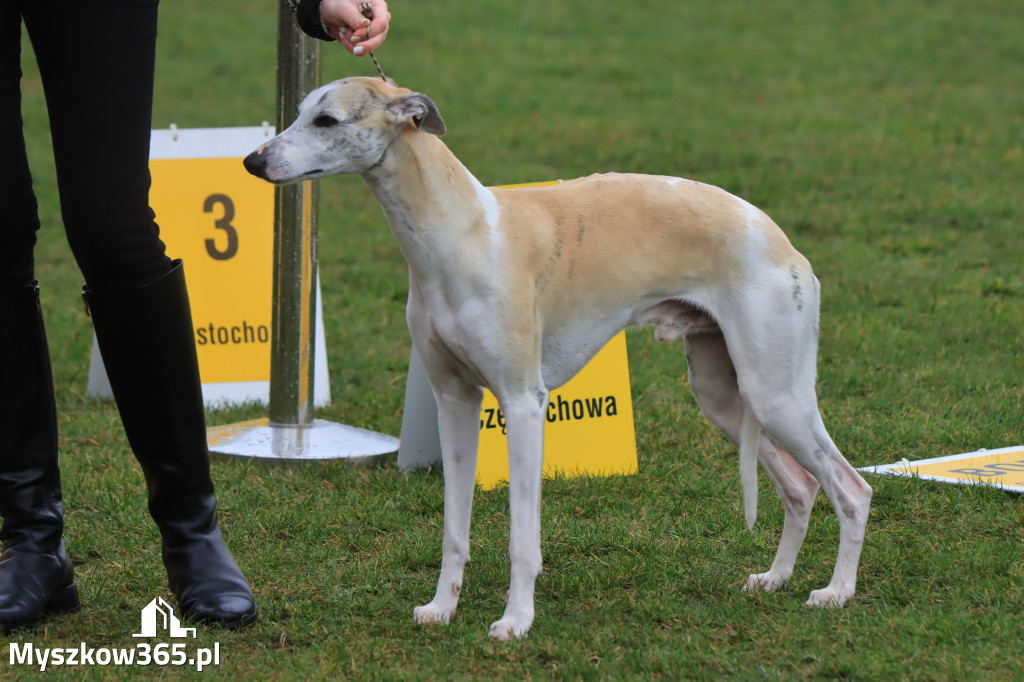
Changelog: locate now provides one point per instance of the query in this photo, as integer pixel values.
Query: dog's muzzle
(256, 164)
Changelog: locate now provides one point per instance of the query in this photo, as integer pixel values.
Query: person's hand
(345, 21)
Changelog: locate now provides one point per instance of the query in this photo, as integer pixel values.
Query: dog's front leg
(459, 423)
(524, 418)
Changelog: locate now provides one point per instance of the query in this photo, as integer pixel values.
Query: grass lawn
(887, 139)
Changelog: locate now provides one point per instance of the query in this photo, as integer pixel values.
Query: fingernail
(358, 49)
(354, 39)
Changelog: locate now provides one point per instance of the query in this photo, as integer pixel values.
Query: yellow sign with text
(588, 424)
(1002, 467)
(220, 221)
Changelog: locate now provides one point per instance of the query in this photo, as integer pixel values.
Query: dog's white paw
(508, 628)
(433, 613)
(764, 582)
(829, 597)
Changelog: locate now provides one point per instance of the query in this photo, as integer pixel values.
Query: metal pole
(295, 206)
(291, 434)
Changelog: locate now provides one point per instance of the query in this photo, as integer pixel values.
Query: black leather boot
(36, 575)
(146, 339)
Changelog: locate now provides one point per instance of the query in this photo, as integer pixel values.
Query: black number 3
(222, 223)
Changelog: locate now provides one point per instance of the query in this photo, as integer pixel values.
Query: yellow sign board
(588, 425)
(1003, 468)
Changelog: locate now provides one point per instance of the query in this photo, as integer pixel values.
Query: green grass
(888, 141)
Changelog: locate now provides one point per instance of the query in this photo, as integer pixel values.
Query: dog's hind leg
(797, 489)
(777, 382)
(796, 424)
(458, 422)
(524, 417)
(712, 379)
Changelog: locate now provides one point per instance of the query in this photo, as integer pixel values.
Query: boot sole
(232, 623)
(64, 600)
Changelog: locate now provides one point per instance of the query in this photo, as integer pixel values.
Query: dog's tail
(749, 433)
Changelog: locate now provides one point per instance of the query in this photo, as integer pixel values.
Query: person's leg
(36, 575)
(99, 90)
(19, 220)
(98, 81)
(146, 339)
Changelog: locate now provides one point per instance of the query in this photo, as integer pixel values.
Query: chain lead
(366, 9)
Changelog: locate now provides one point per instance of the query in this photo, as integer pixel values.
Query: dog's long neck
(431, 201)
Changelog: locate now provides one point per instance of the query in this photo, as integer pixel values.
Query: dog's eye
(325, 121)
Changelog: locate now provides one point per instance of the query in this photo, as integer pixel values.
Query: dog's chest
(463, 325)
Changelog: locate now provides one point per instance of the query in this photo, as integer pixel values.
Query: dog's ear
(419, 109)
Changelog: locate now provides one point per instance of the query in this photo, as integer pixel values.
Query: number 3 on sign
(223, 223)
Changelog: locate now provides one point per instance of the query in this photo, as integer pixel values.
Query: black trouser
(96, 59)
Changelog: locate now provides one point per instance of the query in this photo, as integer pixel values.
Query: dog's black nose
(256, 164)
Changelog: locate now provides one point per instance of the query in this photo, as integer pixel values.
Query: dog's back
(614, 244)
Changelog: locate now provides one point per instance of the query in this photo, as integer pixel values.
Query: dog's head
(343, 127)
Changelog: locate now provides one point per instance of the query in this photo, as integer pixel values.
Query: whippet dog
(516, 290)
